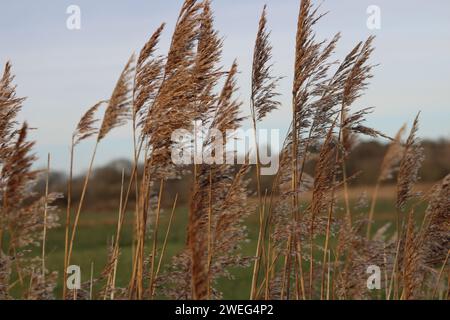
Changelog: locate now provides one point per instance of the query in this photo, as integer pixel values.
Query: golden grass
(315, 237)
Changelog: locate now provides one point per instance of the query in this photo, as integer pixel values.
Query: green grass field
(96, 231)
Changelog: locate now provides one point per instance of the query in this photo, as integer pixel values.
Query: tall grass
(305, 247)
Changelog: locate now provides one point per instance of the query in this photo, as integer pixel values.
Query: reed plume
(310, 69)
(264, 85)
(214, 179)
(118, 109)
(409, 167)
(172, 109)
(147, 79)
(16, 171)
(206, 70)
(147, 83)
(116, 114)
(436, 230)
(263, 101)
(86, 127)
(21, 218)
(173, 105)
(389, 165)
(10, 106)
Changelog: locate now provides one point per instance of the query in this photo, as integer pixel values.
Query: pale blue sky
(63, 72)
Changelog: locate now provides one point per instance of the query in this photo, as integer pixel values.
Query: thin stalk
(300, 268)
(311, 259)
(166, 238)
(267, 232)
(396, 273)
(80, 205)
(285, 284)
(256, 266)
(327, 239)
(329, 275)
(136, 285)
(117, 245)
(297, 285)
(135, 165)
(146, 189)
(125, 201)
(448, 285)
(440, 275)
(267, 275)
(31, 281)
(394, 269)
(44, 236)
(91, 281)
(270, 267)
(331, 207)
(336, 272)
(68, 209)
(386, 279)
(294, 184)
(208, 264)
(138, 270)
(346, 195)
(372, 208)
(264, 260)
(155, 235)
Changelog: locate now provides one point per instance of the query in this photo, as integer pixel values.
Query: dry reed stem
(91, 281)
(262, 103)
(116, 243)
(44, 235)
(390, 159)
(84, 130)
(192, 62)
(115, 115)
(323, 182)
(67, 222)
(210, 253)
(166, 238)
(155, 236)
(83, 194)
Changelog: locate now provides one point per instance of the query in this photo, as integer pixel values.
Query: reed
(304, 247)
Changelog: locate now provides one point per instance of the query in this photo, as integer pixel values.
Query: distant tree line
(364, 162)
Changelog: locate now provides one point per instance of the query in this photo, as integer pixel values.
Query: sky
(63, 72)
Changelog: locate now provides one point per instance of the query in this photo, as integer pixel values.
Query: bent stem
(163, 249)
(80, 205)
(116, 244)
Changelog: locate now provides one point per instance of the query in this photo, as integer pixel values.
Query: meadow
(96, 229)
